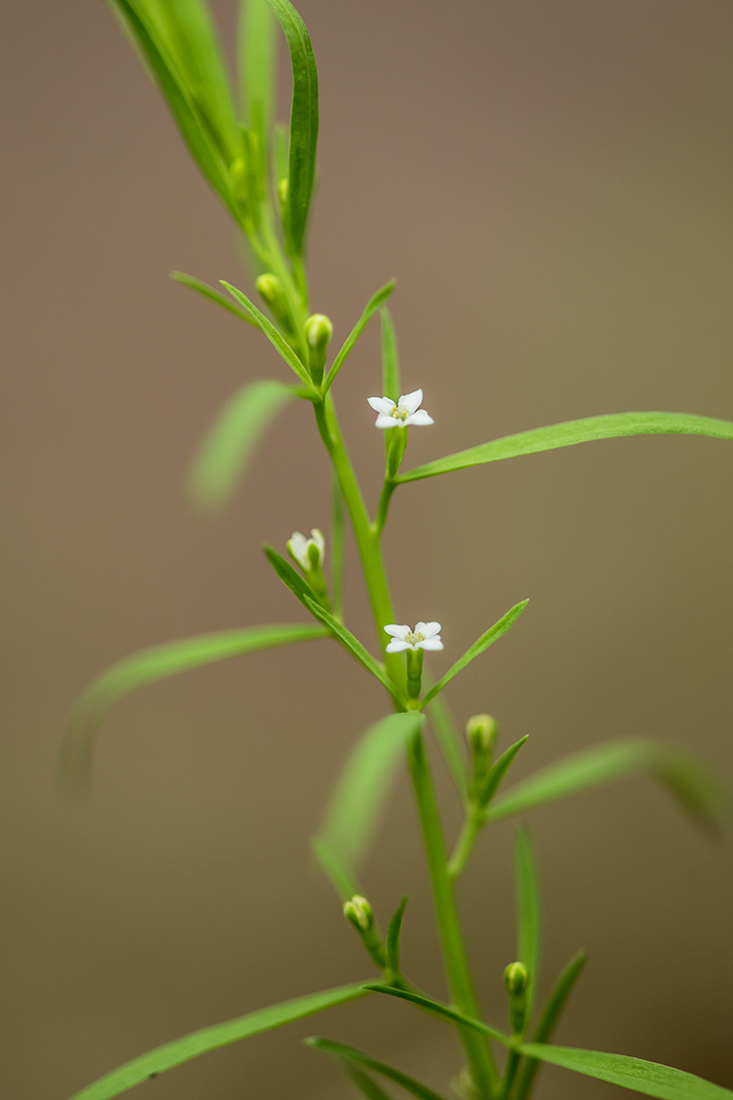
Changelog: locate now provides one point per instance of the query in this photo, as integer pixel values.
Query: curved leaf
(438, 1009)
(152, 664)
(550, 1016)
(351, 1054)
(373, 304)
(572, 432)
(206, 291)
(257, 65)
(528, 914)
(231, 442)
(650, 1078)
(211, 1038)
(276, 339)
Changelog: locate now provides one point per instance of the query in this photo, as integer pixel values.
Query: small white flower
(299, 546)
(406, 411)
(424, 636)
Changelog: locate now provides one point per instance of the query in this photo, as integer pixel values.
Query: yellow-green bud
(238, 174)
(481, 732)
(360, 913)
(282, 191)
(516, 978)
(318, 332)
(271, 291)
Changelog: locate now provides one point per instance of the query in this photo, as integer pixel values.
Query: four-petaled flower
(299, 547)
(424, 636)
(406, 411)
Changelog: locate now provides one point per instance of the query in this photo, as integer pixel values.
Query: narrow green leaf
(341, 877)
(358, 799)
(152, 664)
(528, 913)
(439, 1009)
(550, 1016)
(393, 936)
(211, 1038)
(373, 304)
(351, 1054)
(337, 551)
(572, 432)
(390, 358)
(276, 339)
(364, 1082)
(207, 291)
(682, 776)
(257, 64)
(290, 576)
(303, 124)
(498, 770)
(649, 1078)
(492, 634)
(450, 744)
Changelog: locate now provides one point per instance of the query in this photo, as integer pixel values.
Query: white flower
(299, 546)
(424, 636)
(406, 411)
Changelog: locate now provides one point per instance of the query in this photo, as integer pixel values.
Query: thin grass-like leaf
(492, 634)
(438, 1009)
(276, 339)
(256, 57)
(207, 291)
(231, 442)
(649, 1078)
(498, 770)
(681, 775)
(572, 432)
(394, 931)
(450, 744)
(358, 799)
(373, 304)
(211, 1038)
(342, 878)
(550, 1016)
(351, 1054)
(528, 914)
(303, 124)
(145, 667)
(363, 1082)
(390, 358)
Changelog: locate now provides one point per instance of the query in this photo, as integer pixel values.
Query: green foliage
(373, 304)
(450, 743)
(206, 291)
(364, 1082)
(156, 663)
(276, 338)
(232, 441)
(211, 1038)
(393, 936)
(391, 386)
(550, 1016)
(351, 1054)
(572, 432)
(438, 1009)
(497, 771)
(256, 57)
(341, 877)
(337, 551)
(528, 914)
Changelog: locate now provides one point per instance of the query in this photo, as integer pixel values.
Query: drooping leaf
(447, 736)
(393, 936)
(649, 1078)
(337, 551)
(374, 303)
(231, 442)
(276, 339)
(207, 291)
(351, 1054)
(153, 664)
(492, 634)
(571, 432)
(498, 770)
(682, 776)
(390, 358)
(528, 914)
(438, 1009)
(342, 878)
(357, 801)
(363, 1082)
(550, 1016)
(256, 55)
(303, 124)
(211, 1038)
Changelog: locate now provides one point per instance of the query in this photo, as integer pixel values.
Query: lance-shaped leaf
(372, 305)
(550, 1016)
(206, 291)
(505, 623)
(498, 770)
(256, 57)
(342, 878)
(571, 432)
(682, 776)
(351, 1054)
(276, 339)
(303, 124)
(528, 914)
(211, 1038)
(232, 440)
(394, 931)
(391, 386)
(149, 665)
(450, 745)
(359, 796)
(438, 1009)
(298, 586)
(649, 1078)
(363, 1082)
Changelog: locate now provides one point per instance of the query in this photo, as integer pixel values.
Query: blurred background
(552, 185)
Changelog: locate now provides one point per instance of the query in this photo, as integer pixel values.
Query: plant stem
(466, 840)
(483, 1068)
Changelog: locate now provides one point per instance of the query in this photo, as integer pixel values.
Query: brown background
(551, 183)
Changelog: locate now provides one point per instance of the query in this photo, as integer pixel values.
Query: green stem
(483, 1068)
(464, 845)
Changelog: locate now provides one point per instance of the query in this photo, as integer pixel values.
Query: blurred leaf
(571, 432)
(351, 1054)
(390, 358)
(207, 291)
(341, 877)
(358, 798)
(393, 936)
(364, 1082)
(373, 304)
(276, 339)
(231, 442)
(211, 1038)
(528, 914)
(682, 776)
(650, 1078)
(491, 635)
(281, 152)
(337, 551)
(448, 739)
(550, 1016)
(438, 1009)
(149, 665)
(303, 124)
(498, 770)
(257, 67)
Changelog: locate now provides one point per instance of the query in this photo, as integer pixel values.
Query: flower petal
(319, 540)
(420, 417)
(396, 646)
(411, 401)
(381, 404)
(429, 630)
(385, 421)
(431, 643)
(397, 631)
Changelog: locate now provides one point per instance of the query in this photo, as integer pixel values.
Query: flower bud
(516, 978)
(360, 913)
(271, 291)
(481, 733)
(282, 191)
(318, 332)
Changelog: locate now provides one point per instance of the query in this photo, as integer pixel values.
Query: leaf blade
(390, 359)
(206, 291)
(572, 432)
(550, 1016)
(392, 943)
(272, 334)
(528, 913)
(438, 1009)
(373, 304)
(351, 1054)
(447, 737)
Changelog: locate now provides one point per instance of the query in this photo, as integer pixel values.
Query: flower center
(399, 412)
(412, 638)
